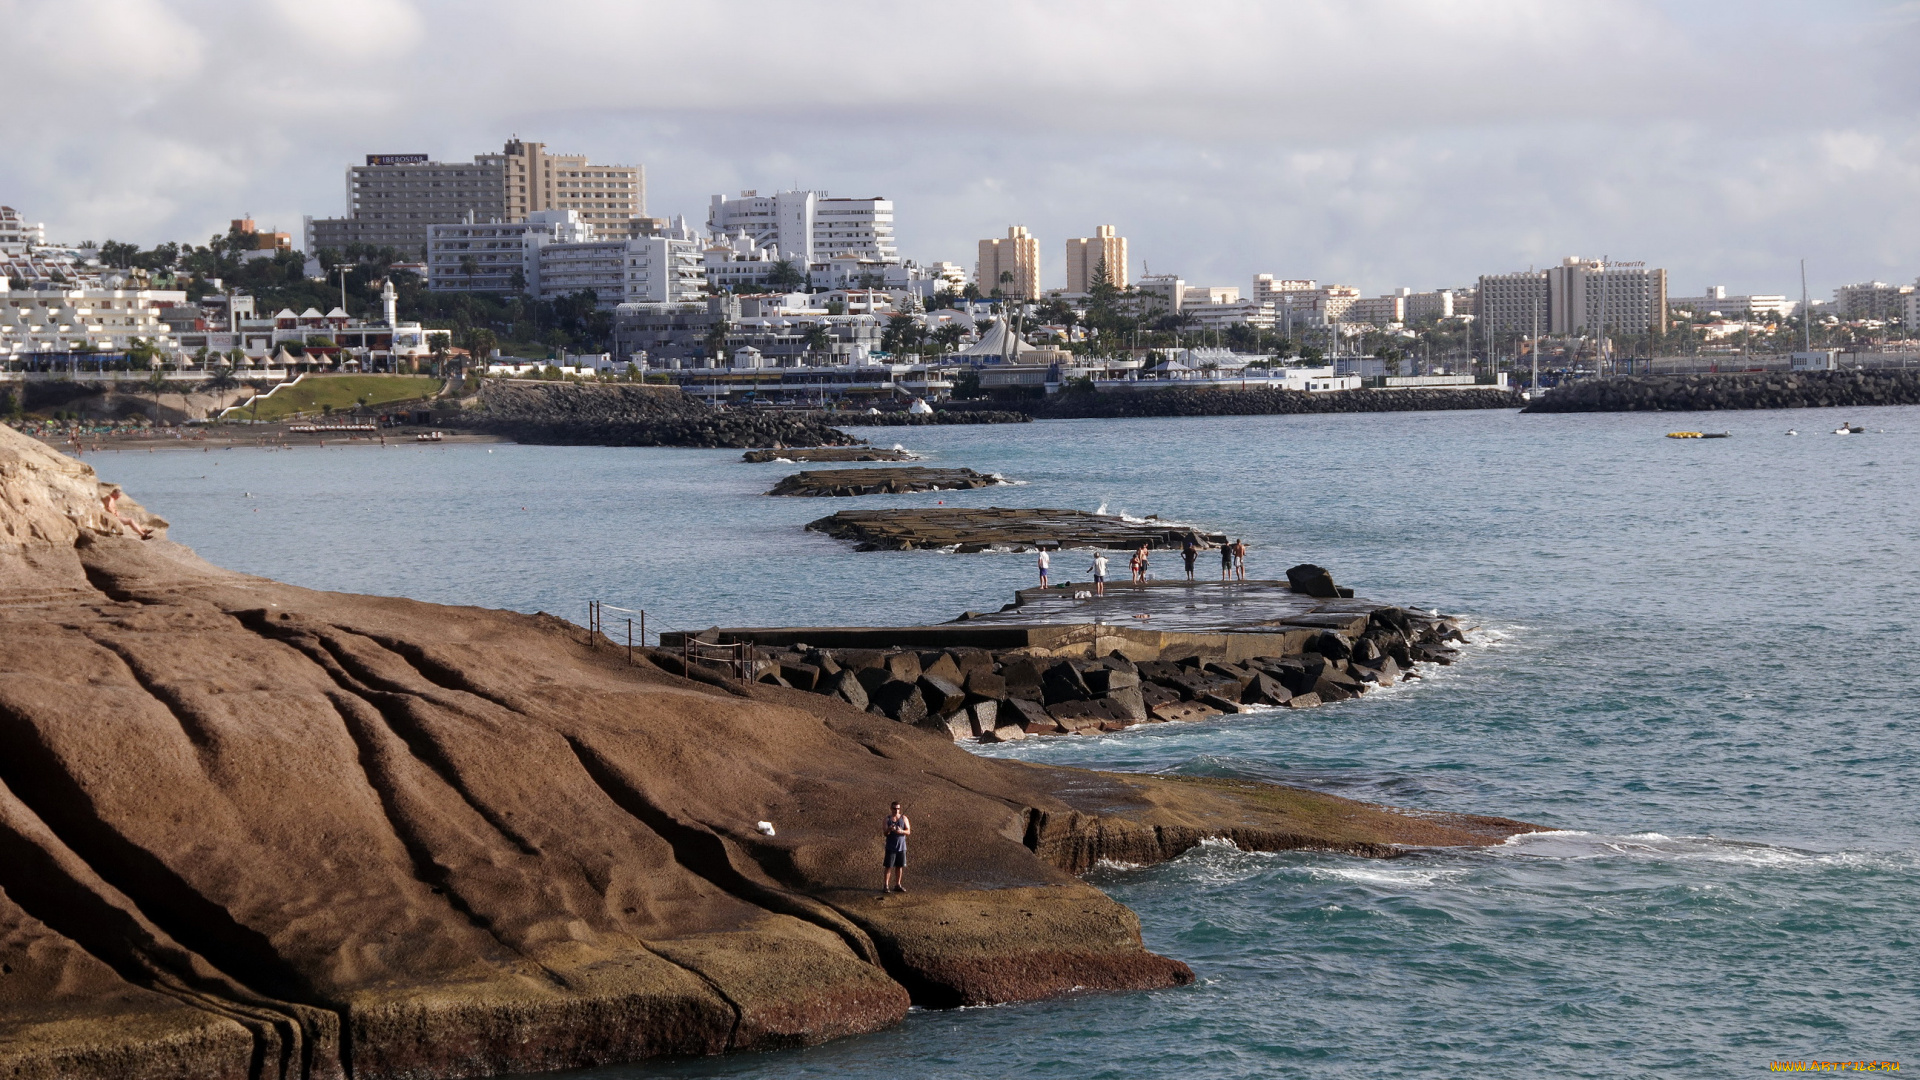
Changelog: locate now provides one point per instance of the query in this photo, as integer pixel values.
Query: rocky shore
(939, 417)
(825, 453)
(1753, 390)
(1266, 402)
(249, 830)
(568, 414)
(851, 482)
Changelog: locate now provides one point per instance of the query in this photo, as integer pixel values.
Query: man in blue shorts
(894, 862)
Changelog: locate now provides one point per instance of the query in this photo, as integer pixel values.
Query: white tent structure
(997, 342)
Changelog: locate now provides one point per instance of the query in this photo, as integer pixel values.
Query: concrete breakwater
(1755, 390)
(937, 418)
(1025, 672)
(1267, 402)
(568, 414)
(850, 482)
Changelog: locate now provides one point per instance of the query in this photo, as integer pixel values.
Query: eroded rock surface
(250, 830)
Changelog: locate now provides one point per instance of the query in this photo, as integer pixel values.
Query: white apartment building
(1208, 294)
(1591, 296)
(1085, 256)
(1321, 306)
(17, 234)
(666, 268)
(809, 226)
(394, 199)
(498, 256)
(1379, 310)
(1910, 307)
(1267, 288)
(1871, 300)
(1161, 292)
(737, 262)
(1438, 304)
(1017, 254)
(66, 320)
(1232, 312)
(1716, 301)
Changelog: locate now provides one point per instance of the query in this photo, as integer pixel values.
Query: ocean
(1695, 663)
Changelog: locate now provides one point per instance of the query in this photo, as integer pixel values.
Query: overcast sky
(1367, 142)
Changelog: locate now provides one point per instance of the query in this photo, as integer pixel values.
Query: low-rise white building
(39, 321)
(1871, 300)
(1225, 313)
(18, 235)
(498, 256)
(1716, 301)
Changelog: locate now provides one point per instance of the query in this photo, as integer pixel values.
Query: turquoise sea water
(1697, 662)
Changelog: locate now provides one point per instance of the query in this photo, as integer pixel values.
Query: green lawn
(342, 392)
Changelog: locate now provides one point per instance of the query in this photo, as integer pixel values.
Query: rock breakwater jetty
(1183, 402)
(937, 418)
(502, 849)
(1746, 390)
(975, 529)
(826, 453)
(850, 482)
(571, 414)
(1054, 663)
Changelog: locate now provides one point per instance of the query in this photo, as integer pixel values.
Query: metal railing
(742, 657)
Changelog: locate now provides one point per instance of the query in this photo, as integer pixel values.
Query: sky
(1376, 143)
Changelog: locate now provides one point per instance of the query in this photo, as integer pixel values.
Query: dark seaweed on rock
(1747, 390)
(569, 414)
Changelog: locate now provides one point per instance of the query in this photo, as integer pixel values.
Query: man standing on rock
(894, 863)
(1189, 551)
(1240, 559)
(1099, 569)
(1045, 562)
(1226, 562)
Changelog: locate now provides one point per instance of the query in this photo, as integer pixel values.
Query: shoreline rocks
(974, 529)
(1745, 390)
(626, 414)
(939, 417)
(1183, 402)
(851, 482)
(826, 453)
(250, 830)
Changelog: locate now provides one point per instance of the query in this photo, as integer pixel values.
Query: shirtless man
(894, 862)
(108, 500)
(1140, 566)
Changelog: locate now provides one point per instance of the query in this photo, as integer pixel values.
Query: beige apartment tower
(1017, 254)
(393, 198)
(1085, 254)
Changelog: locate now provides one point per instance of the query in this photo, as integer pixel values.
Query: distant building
(1871, 300)
(498, 256)
(1017, 254)
(17, 234)
(1588, 296)
(1267, 289)
(1086, 254)
(1321, 306)
(1229, 312)
(1378, 310)
(809, 226)
(1161, 293)
(1515, 303)
(1716, 301)
(394, 198)
(1438, 304)
(1208, 294)
(83, 319)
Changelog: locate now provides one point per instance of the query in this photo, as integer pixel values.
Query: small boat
(1790, 431)
(427, 436)
(1699, 434)
(1849, 429)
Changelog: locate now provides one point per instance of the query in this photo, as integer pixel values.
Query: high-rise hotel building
(394, 197)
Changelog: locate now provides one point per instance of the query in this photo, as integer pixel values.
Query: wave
(1576, 845)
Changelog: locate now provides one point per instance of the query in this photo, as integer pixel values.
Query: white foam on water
(1392, 877)
(1575, 845)
(1103, 508)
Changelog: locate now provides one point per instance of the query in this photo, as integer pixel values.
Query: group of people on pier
(1233, 563)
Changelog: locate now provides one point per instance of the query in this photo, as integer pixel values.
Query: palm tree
(817, 338)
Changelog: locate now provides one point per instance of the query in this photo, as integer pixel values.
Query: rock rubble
(850, 482)
(975, 529)
(570, 414)
(1751, 390)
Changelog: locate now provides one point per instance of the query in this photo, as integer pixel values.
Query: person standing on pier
(894, 862)
(1226, 562)
(1099, 569)
(1045, 562)
(1139, 565)
(1240, 559)
(1189, 551)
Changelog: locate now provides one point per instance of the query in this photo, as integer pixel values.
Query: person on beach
(1226, 562)
(1045, 562)
(1099, 569)
(1189, 552)
(108, 500)
(1240, 559)
(894, 862)
(1139, 565)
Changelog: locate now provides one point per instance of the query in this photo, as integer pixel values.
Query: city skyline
(1380, 145)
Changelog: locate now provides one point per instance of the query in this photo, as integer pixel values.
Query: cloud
(1377, 142)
